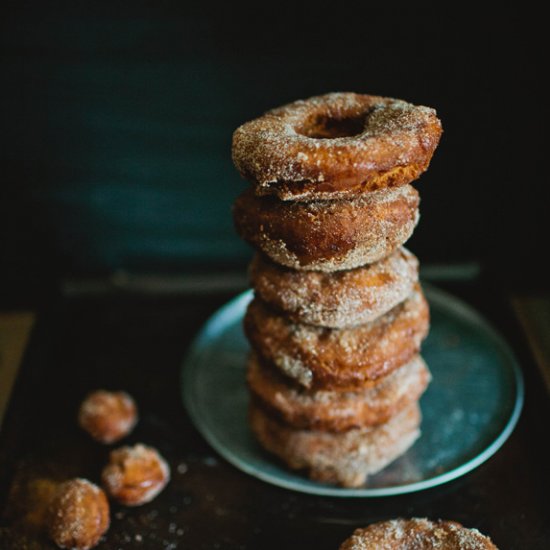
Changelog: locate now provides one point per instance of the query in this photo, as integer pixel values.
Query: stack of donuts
(338, 315)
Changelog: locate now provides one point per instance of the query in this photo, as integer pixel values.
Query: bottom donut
(344, 459)
(417, 534)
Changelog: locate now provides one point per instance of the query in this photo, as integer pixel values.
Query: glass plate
(469, 409)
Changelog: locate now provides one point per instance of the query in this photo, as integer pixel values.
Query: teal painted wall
(118, 121)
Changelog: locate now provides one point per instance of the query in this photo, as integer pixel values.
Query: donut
(337, 411)
(321, 358)
(345, 458)
(336, 145)
(135, 475)
(108, 416)
(340, 299)
(417, 534)
(79, 515)
(328, 235)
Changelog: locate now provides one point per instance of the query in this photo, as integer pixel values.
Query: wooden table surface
(137, 344)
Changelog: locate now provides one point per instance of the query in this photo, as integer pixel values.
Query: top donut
(336, 145)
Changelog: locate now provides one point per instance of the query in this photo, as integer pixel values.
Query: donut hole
(328, 127)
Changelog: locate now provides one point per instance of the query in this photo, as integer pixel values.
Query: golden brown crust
(345, 458)
(337, 411)
(108, 416)
(322, 358)
(135, 475)
(340, 299)
(336, 145)
(328, 235)
(79, 515)
(417, 534)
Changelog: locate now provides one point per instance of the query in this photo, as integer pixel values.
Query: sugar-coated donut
(79, 515)
(345, 458)
(322, 358)
(340, 299)
(337, 411)
(135, 475)
(108, 416)
(417, 534)
(336, 145)
(328, 235)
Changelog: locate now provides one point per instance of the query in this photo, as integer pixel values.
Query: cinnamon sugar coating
(345, 458)
(340, 299)
(135, 475)
(321, 358)
(79, 515)
(337, 411)
(108, 416)
(336, 145)
(328, 235)
(417, 534)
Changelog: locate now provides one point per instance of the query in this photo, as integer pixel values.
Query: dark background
(117, 126)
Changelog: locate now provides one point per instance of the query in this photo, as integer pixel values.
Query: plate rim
(218, 320)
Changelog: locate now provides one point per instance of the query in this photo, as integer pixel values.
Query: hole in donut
(325, 127)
